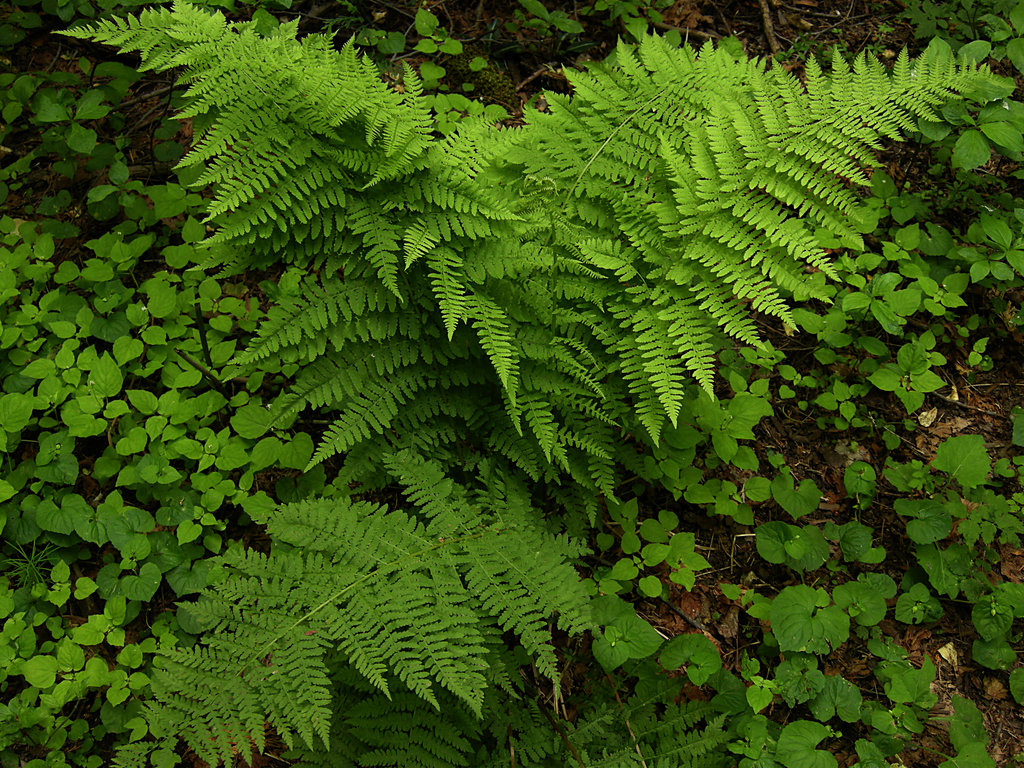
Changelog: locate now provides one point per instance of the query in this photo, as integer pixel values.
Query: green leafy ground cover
(829, 552)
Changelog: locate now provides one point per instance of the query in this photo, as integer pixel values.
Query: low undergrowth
(819, 566)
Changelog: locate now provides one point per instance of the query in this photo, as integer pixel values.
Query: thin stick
(146, 96)
(206, 372)
(769, 28)
(688, 31)
(534, 76)
(967, 406)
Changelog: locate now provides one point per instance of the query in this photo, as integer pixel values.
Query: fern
(407, 600)
(488, 318)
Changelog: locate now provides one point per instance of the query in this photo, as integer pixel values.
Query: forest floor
(530, 62)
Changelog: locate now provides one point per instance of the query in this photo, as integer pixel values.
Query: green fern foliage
(692, 181)
(491, 321)
(634, 223)
(410, 601)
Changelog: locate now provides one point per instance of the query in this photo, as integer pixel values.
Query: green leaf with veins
(798, 742)
(964, 458)
(803, 619)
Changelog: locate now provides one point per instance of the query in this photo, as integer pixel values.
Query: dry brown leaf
(729, 626)
(994, 689)
(949, 654)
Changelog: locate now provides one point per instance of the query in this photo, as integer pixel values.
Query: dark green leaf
(971, 150)
(797, 746)
(964, 458)
(1015, 52)
(106, 378)
(799, 502)
(994, 654)
(694, 650)
(81, 139)
(1004, 134)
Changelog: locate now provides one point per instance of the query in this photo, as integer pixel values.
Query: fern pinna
(488, 317)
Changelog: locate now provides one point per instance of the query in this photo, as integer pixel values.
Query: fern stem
(597, 154)
(625, 719)
(564, 736)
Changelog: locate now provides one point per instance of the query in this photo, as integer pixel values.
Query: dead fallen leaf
(927, 418)
(949, 654)
(729, 626)
(994, 689)
(1011, 563)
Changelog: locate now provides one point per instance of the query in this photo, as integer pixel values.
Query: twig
(686, 617)
(543, 70)
(769, 28)
(206, 372)
(688, 31)
(968, 406)
(146, 96)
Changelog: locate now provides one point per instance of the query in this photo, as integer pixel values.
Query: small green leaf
(991, 617)
(860, 480)
(994, 654)
(1015, 52)
(653, 531)
(886, 378)
(40, 671)
(81, 139)
(1018, 426)
(61, 519)
(803, 620)
(973, 755)
(838, 698)
(650, 586)
(918, 606)
(162, 297)
(1017, 685)
(759, 697)
(971, 150)
(608, 651)
(392, 43)
(91, 106)
(976, 51)
(799, 502)
(930, 520)
(47, 108)
(143, 586)
(15, 411)
(537, 8)
(106, 377)
(760, 488)
(639, 637)
(964, 458)
(797, 746)
(426, 23)
(699, 654)
(84, 586)
(628, 637)
(251, 421)
(1004, 135)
